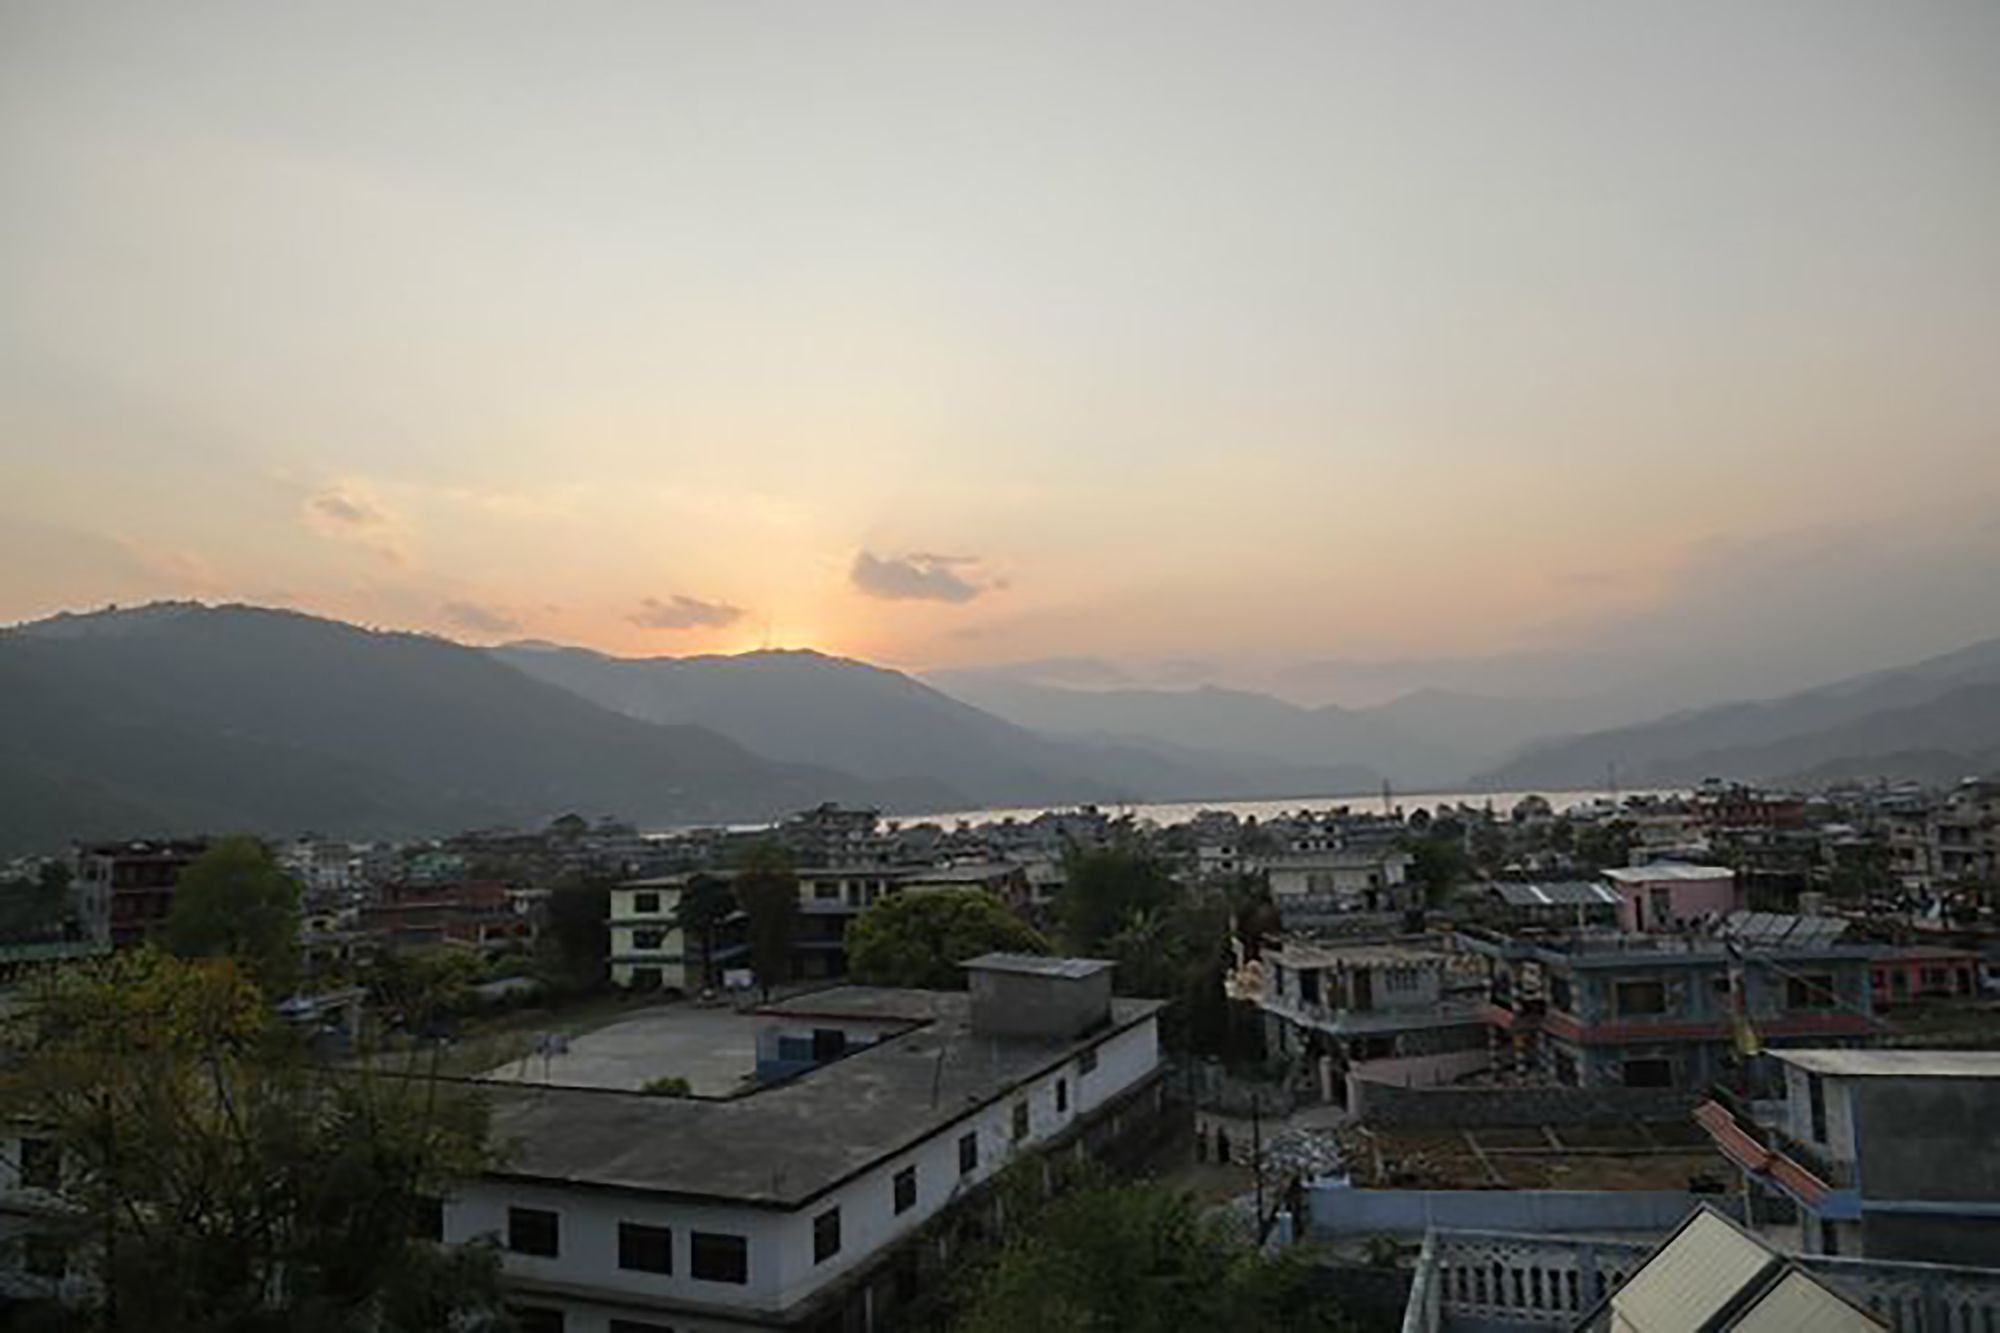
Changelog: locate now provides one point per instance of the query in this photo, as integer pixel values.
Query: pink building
(1670, 895)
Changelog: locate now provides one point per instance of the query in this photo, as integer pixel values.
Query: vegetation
(1438, 862)
(421, 988)
(705, 904)
(1140, 1258)
(576, 935)
(235, 902)
(218, 1181)
(768, 892)
(668, 1085)
(35, 905)
(1106, 888)
(920, 939)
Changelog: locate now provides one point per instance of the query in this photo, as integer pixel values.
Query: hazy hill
(183, 717)
(1366, 744)
(1923, 720)
(812, 708)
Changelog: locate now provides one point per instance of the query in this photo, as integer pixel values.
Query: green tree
(235, 902)
(768, 892)
(1141, 1259)
(575, 943)
(1440, 865)
(422, 986)
(705, 904)
(1105, 888)
(215, 1180)
(1605, 845)
(919, 939)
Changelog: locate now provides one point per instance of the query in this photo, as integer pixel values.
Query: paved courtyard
(715, 1050)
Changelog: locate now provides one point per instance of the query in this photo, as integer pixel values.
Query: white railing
(1520, 1279)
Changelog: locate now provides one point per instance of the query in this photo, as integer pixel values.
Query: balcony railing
(1489, 1279)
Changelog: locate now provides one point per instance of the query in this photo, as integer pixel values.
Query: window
(826, 889)
(1559, 994)
(645, 904)
(1020, 1121)
(645, 1249)
(1062, 1096)
(1566, 1069)
(968, 1154)
(1816, 1101)
(1649, 1073)
(533, 1231)
(647, 939)
(826, 1235)
(1641, 997)
(41, 1164)
(427, 1217)
(906, 1189)
(1814, 992)
(536, 1318)
(1308, 986)
(1829, 1237)
(716, 1257)
(1087, 1062)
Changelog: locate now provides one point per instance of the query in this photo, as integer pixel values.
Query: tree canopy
(217, 1181)
(1141, 1259)
(919, 939)
(235, 902)
(1105, 888)
(768, 892)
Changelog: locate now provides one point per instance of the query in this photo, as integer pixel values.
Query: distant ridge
(180, 717)
(1934, 720)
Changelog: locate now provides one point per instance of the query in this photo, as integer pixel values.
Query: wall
(1456, 1107)
(782, 1270)
(1420, 1071)
(1337, 1209)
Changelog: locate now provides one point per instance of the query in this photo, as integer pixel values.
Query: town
(1455, 1067)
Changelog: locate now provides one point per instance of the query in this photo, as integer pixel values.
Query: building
(481, 914)
(1886, 1154)
(1596, 1009)
(125, 890)
(799, 1204)
(1672, 895)
(650, 950)
(1404, 1011)
(1558, 903)
(1340, 881)
(1924, 972)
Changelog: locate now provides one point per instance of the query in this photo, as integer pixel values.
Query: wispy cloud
(479, 619)
(680, 611)
(345, 513)
(919, 576)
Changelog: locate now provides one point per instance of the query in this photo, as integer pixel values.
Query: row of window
(713, 1256)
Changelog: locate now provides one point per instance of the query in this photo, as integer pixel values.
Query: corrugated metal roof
(1693, 1277)
(1556, 893)
(1797, 1303)
(1893, 1064)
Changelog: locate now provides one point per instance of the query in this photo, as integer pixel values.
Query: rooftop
(1037, 965)
(1666, 870)
(1896, 1064)
(784, 1145)
(1556, 893)
(1368, 953)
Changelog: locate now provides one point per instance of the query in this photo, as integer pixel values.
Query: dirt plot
(1612, 1157)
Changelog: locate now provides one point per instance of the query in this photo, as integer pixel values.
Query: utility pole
(1257, 1155)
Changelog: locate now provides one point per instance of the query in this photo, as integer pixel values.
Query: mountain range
(182, 717)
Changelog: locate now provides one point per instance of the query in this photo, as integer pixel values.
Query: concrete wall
(1472, 1107)
(782, 1271)
(1419, 1071)
(1335, 1209)
(1029, 1004)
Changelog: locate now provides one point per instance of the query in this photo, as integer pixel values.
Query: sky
(1336, 347)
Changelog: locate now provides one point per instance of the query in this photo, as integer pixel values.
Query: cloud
(345, 509)
(479, 619)
(919, 576)
(346, 514)
(683, 612)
